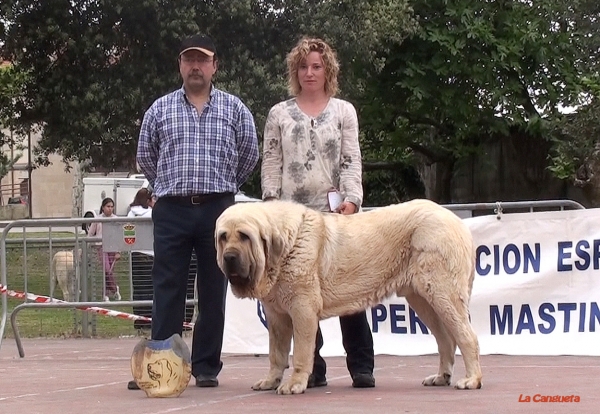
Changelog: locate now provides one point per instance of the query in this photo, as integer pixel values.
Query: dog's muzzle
(155, 376)
(234, 269)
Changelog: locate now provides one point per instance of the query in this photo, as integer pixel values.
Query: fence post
(84, 289)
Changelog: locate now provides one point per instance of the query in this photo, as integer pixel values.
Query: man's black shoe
(363, 380)
(132, 385)
(316, 381)
(206, 381)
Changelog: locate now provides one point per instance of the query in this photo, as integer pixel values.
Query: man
(197, 146)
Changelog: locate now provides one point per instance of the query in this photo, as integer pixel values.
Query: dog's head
(249, 242)
(159, 369)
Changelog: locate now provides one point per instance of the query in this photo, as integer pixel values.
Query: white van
(122, 190)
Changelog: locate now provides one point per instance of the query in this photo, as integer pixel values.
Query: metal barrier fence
(498, 208)
(33, 247)
(133, 238)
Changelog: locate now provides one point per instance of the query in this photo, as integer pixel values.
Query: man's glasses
(201, 60)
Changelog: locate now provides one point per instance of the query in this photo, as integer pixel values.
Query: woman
(108, 259)
(141, 260)
(142, 204)
(311, 150)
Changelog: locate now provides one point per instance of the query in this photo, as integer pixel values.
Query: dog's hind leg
(445, 341)
(280, 339)
(53, 278)
(71, 285)
(454, 313)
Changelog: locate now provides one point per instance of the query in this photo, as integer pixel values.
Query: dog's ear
(273, 245)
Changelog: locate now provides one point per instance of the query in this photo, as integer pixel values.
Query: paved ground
(90, 375)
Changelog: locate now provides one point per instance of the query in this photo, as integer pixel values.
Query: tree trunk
(588, 177)
(437, 179)
(77, 197)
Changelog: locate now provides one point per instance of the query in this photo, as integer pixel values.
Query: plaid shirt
(182, 152)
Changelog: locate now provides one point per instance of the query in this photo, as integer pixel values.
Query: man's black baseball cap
(198, 42)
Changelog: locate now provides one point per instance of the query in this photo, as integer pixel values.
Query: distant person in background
(141, 260)
(108, 259)
(142, 204)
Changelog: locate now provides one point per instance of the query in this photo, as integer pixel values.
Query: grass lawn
(31, 265)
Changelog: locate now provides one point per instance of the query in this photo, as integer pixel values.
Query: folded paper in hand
(335, 199)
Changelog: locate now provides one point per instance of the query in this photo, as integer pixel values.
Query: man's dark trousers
(180, 226)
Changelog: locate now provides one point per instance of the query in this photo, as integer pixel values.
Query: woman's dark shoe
(363, 380)
(314, 382)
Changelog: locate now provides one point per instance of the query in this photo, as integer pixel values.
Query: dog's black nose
(229, 258)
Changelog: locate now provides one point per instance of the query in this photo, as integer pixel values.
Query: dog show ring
(162, 368)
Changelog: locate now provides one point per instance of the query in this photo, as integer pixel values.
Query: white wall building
(51, 187)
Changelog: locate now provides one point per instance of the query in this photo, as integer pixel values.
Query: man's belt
(196, 199)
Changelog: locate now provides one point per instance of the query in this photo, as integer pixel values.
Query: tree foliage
(576, 136)
(97, 65)
(473, 71)
(433, 80)
(93, 67)
(12, 82)
(11, 86)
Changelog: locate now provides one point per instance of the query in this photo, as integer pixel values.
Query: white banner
(536, 292)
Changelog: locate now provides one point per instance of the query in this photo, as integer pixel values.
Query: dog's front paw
(292, 386)
(468, 384)
(437, 380)
(266, 384)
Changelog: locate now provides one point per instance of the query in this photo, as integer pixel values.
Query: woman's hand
(346, 208)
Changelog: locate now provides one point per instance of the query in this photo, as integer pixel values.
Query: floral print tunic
(305, 157)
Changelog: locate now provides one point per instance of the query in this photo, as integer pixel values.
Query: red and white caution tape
(106, 312)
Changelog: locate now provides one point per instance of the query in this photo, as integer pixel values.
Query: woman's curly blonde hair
(299, 53)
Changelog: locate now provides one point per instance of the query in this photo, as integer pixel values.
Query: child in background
(108, 259)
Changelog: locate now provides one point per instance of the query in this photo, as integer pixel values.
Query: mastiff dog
(304, 266)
